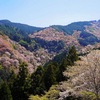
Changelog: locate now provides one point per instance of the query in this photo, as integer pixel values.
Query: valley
(49, 63)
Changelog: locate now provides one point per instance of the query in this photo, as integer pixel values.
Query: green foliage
(71, 27)
(59, 58)
(12, 32)
(26, 29)
(44, 78)
(64, 59)
(14, 46)
(52, 94)
(37, 84)
(23, 43)
(11, 79)
(89, 96)
(32, 45)
(5, 93)
(72, 56)
(18, 33)
(62, 68)
(21, 84)
(23, 72)
(50, 75)
(7, 78)
(1, 67)
(4, 73)
(51, 46)
(36, 97)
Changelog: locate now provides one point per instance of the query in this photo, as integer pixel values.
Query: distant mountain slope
(85, 33)
(51, 34)
(69, 29)
(19, 33)
(55, 38)
(94, 28)
(23, 27)
(22, 37)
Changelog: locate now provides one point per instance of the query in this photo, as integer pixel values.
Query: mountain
(52, 61)
(69, 29)
(23, 27)
(77, 33)
(55, 38)
(86, 32)
(19, 33)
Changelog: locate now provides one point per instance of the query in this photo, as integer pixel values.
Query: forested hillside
(23, 27)
(21, 84)
(53, 63)
(84, 79)
(86, 32)
(54, 38)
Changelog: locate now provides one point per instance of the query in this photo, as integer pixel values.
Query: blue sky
(44, 13)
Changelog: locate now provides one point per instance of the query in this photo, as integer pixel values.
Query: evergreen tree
(11, 79)
(50, 76)
(68, 60)
(62, 68)
(37, 84)
(21, 84)
(5, 93)
(72, 56)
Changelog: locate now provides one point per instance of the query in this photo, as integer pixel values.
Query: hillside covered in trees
(53, 63)
(23, 85)
(55, 38)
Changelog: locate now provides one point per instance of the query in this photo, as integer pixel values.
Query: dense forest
(22, 85)
(60, 67)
